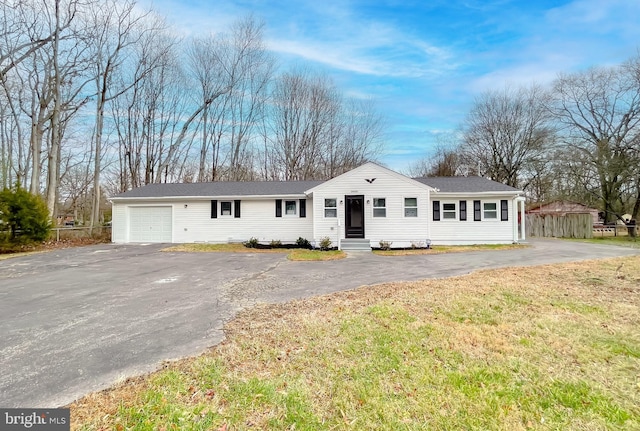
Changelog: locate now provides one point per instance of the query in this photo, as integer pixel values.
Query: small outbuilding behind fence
(565, 207)
(560, 226)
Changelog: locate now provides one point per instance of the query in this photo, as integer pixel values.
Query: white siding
(119, 223)
(191, 218)
(456, 232)
(395, 227)
(192, 221)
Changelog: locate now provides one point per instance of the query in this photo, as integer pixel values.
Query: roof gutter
(467, 194)
(205, 198)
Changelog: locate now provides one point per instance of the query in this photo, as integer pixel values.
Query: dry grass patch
(315, 255)
(225, 248)
(9, 251)
(296, 254)
(18, 254)
(625, 241)
(439, 249)
(543, 348)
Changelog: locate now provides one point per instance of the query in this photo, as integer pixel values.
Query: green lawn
(540, 348)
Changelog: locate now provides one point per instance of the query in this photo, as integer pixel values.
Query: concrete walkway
(78, 320)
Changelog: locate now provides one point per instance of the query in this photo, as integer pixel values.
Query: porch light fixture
(368, 201)
(185, 205)
(340, 201)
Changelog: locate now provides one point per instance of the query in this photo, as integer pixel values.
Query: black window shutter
(236, 209)
(476, 211)
(436, 210)
(278, 207)
(303, 207)
(214, 209)
(504, 210)
(463, 210)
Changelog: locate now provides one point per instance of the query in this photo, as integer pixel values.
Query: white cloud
(570, 38)
(598, 15)
(394, 55)
(427, 70)
(516, 76)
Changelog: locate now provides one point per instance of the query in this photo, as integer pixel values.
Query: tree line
(577, 139)
(101, 96)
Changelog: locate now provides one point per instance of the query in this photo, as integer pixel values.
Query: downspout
(429, 215)
(523, 227)
(519, 214)
(515, 212)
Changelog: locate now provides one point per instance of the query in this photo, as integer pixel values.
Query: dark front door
(354, 216)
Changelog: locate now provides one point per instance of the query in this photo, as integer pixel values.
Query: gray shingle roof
(283, 188)
(465, 185)
(221, 188)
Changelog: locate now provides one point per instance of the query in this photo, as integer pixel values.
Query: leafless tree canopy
(599, 113)
(311, 132)
(445, 161)
(100, 96)
(505, 132)
(578, 140)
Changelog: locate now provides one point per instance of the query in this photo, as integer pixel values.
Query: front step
(355, 244)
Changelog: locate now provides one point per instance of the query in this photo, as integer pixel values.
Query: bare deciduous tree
(23, 31)
(310, 132)
(356, 136)
(238, 68)
(146, 117)
(118, 30)
(39, 82)
(304, 107)
(505, 130)
(447, 160)
(600, 112)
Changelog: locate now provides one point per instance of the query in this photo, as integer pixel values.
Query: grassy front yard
(542, 348)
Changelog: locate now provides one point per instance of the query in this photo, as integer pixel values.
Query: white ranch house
(361, 207)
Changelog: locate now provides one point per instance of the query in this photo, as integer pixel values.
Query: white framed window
(290, 208)
(448, 211)
(225, 208)
(490, 210)
(411, 207)
(379, 207)
(330, 208)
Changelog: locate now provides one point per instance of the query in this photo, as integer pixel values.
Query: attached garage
(150, 224)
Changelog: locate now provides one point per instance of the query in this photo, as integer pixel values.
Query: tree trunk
(52, 166)
(95, 210)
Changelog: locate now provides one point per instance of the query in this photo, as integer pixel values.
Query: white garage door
(150, 224)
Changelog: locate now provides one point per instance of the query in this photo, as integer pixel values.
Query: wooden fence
(560, 226)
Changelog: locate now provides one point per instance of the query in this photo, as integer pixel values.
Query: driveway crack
(246, 290)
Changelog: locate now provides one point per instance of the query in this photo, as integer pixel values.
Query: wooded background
(98, 97)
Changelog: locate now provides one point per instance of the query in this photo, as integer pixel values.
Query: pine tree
(23, 215)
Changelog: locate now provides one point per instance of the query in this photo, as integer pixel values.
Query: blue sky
(423, 62)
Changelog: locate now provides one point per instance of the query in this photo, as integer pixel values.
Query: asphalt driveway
(78, 320)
